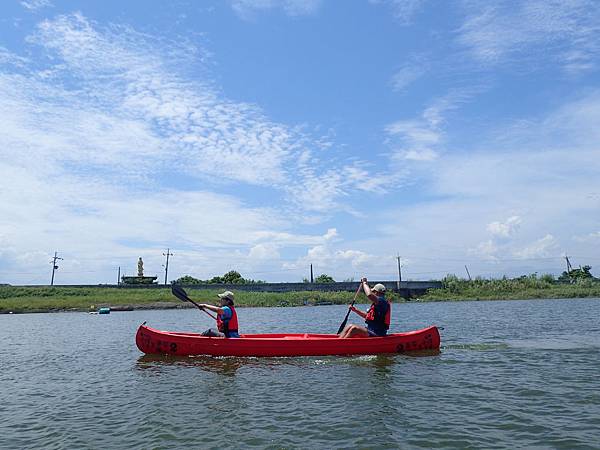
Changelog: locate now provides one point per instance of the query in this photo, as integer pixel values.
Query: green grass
(47, 299)
(35, 299)
(40, 299)
(528, 287)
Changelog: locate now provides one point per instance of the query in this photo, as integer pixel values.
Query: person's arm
(367, 290)
(358, 311)
(213, 308)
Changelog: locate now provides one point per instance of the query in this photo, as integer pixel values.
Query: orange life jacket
(377, 319)
(228, 326)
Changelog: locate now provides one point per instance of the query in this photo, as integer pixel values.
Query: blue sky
(264, 135)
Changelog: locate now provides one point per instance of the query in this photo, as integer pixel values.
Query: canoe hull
(151, 341)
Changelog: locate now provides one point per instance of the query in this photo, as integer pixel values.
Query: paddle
(181, 295)
(343, 325)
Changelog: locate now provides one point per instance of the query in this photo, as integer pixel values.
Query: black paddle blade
(179, 293)
(343, 325)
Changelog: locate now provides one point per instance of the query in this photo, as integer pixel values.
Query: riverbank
(15, 299)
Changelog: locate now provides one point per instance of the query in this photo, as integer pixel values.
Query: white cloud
(34, 5)
(132, 112)
(403, 10)
(540, 248)
(181, 123)
(590, 237)
(532, 32)
(422, 139)
(542, 178)
(339, 262)
(129, 149)
(408, 74)
(424, 154)
(321, 191)
(487, 250)
(112, 123)
(248, 9)
(502, 233)
(505, 229)
(281, 239)
(331, 234)
(9, 58)
(267, 252)
(413, 140)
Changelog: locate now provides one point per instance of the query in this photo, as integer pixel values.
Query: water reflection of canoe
(153, 341)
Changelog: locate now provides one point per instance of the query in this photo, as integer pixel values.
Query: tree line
(234, 277)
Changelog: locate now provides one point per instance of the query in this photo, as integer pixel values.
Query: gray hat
(378, 287)
(226, 295)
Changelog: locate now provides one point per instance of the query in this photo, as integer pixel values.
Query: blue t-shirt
(228, 314)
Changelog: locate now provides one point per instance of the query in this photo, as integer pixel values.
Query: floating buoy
(104, 311)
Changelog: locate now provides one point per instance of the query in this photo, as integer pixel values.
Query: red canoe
(154, 341)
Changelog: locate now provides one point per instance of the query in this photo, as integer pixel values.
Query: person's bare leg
(358, 332)
(344, 333)
(354, 331)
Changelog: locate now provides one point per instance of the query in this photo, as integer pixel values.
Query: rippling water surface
(515, 374)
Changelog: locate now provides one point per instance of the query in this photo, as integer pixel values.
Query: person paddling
(377, 318)
(227, 322)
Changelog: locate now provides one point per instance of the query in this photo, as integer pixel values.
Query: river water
(510, 374)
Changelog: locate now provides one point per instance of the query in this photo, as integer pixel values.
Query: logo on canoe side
(165, 346)
(425, 344)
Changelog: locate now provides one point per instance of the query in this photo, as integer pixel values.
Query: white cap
(227, 294)
(378, 287)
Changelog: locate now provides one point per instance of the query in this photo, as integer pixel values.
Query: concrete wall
(407, 288)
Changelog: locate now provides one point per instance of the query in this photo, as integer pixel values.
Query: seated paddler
(227, 321)
(377, 318)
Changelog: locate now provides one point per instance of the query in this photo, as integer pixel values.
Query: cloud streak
(516, 202)
(533, 32)
(110, 119)
(249, 9)
(403, 10)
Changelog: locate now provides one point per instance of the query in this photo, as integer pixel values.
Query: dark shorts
(376, 333)
(211, 332)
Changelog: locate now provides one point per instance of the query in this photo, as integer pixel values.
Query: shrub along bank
(526, 287)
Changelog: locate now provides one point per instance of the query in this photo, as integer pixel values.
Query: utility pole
(167, 264)
(399, 273)
(569, 266)
(312, 280)
(468, 274)
(54, 267)
(119, 277)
